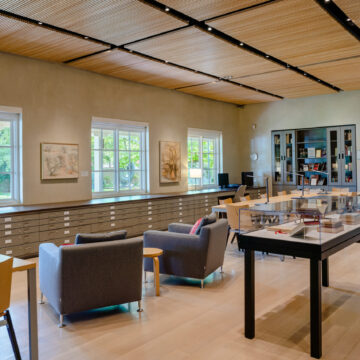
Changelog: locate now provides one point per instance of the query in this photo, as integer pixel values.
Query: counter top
(18, 209)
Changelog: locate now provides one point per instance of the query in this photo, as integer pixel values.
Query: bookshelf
(325, 156)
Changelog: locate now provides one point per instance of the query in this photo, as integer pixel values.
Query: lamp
(195, 174)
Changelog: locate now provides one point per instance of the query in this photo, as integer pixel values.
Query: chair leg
(221, 269)
(61, 321)
(233, 238)
(238, 241)
(140, 309)
(41, 299)
(202, 284)
(12, 336)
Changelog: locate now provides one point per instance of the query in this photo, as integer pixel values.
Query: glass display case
(313, 220)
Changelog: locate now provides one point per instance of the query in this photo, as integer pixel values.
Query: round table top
(152, 252)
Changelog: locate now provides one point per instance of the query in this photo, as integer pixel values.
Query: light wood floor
(189, 323)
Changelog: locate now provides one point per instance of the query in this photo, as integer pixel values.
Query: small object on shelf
(332, 230)
(351, 218)
(318, 153)
(311, 152)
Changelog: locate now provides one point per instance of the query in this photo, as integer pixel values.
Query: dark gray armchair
(82, 277)
(185, 255)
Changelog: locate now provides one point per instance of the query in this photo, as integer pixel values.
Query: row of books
(313, 167)
(312, 153)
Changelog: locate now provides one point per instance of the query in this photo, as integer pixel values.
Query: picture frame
(170, 162)
(311, 152)
(59, 161)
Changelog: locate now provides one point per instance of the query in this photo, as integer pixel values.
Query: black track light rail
(231, 40)
(333, 10)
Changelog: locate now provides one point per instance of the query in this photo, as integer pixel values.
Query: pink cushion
(195, 227)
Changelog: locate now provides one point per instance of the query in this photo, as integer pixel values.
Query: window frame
(218, 155)
(117, 126)
(13, 115)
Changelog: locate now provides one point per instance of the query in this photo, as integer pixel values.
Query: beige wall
(324, 110)
(58, 103)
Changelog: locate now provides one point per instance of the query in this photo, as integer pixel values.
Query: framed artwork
(170, 162)
(59, 161)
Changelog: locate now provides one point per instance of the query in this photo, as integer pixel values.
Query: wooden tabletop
(152, 252)
(19, 264)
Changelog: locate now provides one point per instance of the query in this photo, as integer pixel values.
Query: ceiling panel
(227, 92)
(113, 21)
(121, 64)
(25, 39)
(297, 31)
(343, 73)
(285, 83)
(205, 9)
(200, 51)
(351, 8)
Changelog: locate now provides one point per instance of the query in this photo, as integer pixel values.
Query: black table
(318, 255)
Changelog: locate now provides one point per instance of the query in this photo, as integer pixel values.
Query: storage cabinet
(283, 150)
(21, 235)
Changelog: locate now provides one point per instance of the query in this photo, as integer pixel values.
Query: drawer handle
(112, 224)
(180, 208)
(66, 241)
(150, 218)
(66, 218)
(112, 218)
(9, 241)
(149, 212)
(8, 226)
(8, 232)
(149, 208)
(180, 204)
(66, 224)
(112, 212)
(150, 226)
(180, 213)
(8, 252)
(149, 203)
(112, 207)
(66, 232)
(180, 220)
(66, 212)
(8, 219)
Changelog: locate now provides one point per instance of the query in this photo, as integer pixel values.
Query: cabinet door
(334, 156)
(289, 177)
(348, 156)
(277, 156)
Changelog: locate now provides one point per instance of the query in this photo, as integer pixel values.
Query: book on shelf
(316, 166)
(318, 153)
(288, 138)
(314, 180)
(288, 152)
(311, 152)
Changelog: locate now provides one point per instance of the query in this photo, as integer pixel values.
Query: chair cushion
(206, 220)
(196, 226)
(91, 238)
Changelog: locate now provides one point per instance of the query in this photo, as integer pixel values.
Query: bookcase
(324, 157)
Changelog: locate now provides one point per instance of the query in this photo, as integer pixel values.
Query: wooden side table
(154, 253)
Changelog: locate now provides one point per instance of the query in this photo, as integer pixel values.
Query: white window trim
(214, 134)
(14, 114)
(108, 123)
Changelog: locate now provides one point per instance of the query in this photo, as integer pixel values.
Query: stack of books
(351, 218)
(331, 225)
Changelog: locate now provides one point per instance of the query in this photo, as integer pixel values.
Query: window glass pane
(195, 145)
(124, 180)
(211, 161)
(95, 138)
(96, 181)
(108, 139)
(95, 160)
(108, 181)
(206, 177)
(135, 180)
(211, 145)
(205, 146)
(205, 161)
(212, 177)
(108, 159)
(5, 133)
(135, 160)
(5, 186)
(135, 141)
(195, 158)
(5, 159)
(124, 140)
(124, 160)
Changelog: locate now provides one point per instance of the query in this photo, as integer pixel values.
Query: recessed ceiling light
(305, 74)
(348, 19)
(40, 23)
(327, 1)
(166, 61)
(86, 37)
(109, 50)
(267, 56)
(241, 44)
(209, 28)
(167, 9)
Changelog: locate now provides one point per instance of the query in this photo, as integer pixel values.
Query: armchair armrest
(49, 273)
(171, 240)
(180, 228)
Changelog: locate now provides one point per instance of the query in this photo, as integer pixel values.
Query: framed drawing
(59, 161)
(170, 162)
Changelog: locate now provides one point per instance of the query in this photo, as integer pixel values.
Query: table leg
(32, 314)
(315, 309)
(249, 294)
(325, 272)
(156, 275)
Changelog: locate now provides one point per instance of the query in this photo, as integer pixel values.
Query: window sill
(117, 194)
(9, 203)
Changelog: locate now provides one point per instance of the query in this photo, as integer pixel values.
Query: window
(9, 158)
(118, 157)
(205, 153)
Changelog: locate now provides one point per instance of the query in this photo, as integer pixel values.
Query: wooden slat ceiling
(228, 93)
(25, 39)
(351, 8)
(296, 31)
(198, 50)
(343, 73)
(285, 83)
(121, 64)
(115, 21)
(205, 9)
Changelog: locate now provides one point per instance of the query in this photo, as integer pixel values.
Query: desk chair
(225, 201)
(240, 192)
(5, 291)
